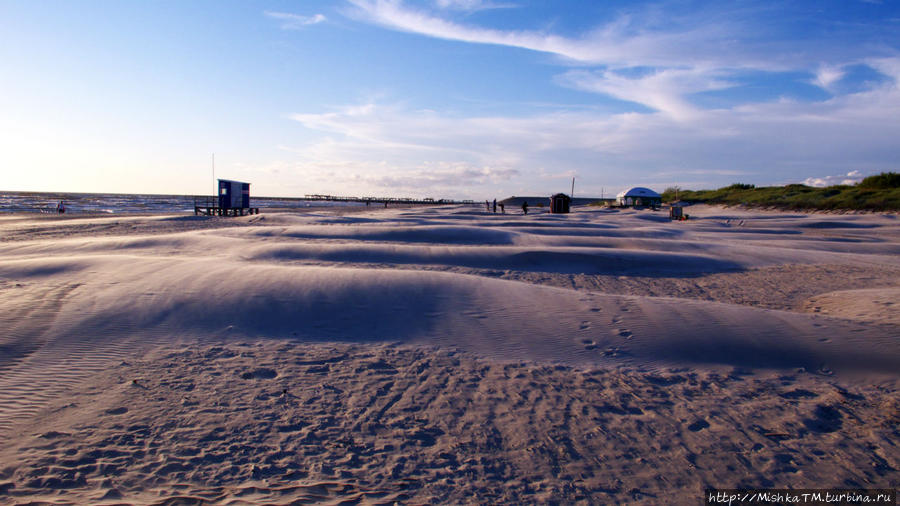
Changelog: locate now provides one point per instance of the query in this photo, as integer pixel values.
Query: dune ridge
(106, 318)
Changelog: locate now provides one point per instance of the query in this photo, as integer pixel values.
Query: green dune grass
(874, 193)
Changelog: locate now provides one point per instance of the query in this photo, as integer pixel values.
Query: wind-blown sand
(446, 355)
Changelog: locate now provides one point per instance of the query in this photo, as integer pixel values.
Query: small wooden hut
(559, 203)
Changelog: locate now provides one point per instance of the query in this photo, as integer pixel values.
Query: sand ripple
(446, 355)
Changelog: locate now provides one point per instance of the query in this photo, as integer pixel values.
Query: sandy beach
(445, 355)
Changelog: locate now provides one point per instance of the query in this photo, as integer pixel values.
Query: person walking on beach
(525, 207)
(495, 206)
(61, 207)
(502, 208)
(487, 206)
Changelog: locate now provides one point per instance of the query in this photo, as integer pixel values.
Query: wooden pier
(205, 205)
(386, 200)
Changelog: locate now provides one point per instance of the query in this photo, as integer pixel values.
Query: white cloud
(826, 76)
(681, 56)
(623, 42)
(850, 178)
(663, 90)
(685, 53)
(887, 66)
(430, 153)
(470, 5)
(759, 143)
(295, 21)
(443, 175)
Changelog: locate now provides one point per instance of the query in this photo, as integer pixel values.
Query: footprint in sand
(262, 373)
(627, 334)
(585, 325)
(588, 344)
(612, 351)
(698, 426)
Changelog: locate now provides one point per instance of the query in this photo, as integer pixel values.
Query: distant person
(525, 207)
(502, 208)
(495, 206)
(487, 206)
(61, 207)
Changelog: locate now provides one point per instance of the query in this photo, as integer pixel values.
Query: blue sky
(445, 98)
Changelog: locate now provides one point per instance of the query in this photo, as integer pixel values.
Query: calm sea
(117, 203)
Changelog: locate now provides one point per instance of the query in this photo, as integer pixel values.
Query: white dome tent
(638, 196)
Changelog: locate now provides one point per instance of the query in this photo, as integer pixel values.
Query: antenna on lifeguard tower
(573, 188)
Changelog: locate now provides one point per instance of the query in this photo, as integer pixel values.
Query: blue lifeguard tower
(233, 199)
(234, 194)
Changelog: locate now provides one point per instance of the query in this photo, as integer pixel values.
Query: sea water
(119, 203)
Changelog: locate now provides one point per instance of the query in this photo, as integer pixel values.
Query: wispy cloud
(471, 5)
(663, 90)
(826, 76)
(295, 21)
(395, 15)
(687, 52)
(444, 176)
(647, 58)
(505, 154)
(621, 42)
(889, 67)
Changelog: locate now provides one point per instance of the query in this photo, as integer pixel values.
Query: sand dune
(127, 295)
(121, 333)
(869, 305)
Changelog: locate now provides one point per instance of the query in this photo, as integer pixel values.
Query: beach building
(234, 194)
(639, 196)
(559, 203)
(233, 199)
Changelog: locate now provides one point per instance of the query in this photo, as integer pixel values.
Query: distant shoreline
(107, 204)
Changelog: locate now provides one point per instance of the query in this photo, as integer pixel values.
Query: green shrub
(879, 193)
(671, 194)
(882, 181)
